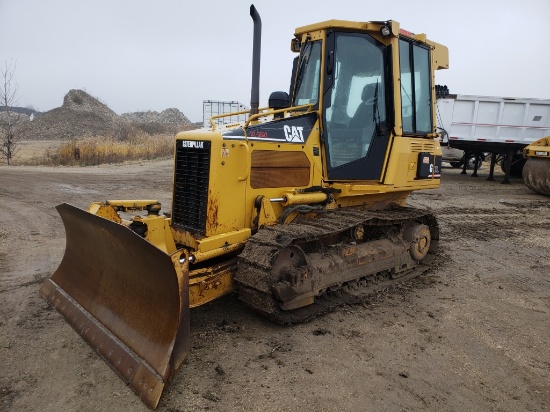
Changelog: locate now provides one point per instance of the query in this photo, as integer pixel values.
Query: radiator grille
(190, 198)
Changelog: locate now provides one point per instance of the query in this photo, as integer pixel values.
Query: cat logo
(294, 134)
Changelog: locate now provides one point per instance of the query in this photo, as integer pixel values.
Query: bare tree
(8, 119)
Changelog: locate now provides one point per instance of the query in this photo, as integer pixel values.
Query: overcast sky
(137, 55)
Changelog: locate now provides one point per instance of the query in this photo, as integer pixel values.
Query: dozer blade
(536, 175)
(126, 298)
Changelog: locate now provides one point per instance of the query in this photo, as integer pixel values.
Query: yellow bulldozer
(536, 171)
(298, 209)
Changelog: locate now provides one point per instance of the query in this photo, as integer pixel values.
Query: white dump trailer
(502, 126)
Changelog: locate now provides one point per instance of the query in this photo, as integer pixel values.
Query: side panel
(227, 202)
(271, 168)
(406, 161)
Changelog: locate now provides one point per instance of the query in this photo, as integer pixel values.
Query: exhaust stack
(256, 51)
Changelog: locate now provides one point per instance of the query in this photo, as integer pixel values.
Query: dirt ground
(470, 335)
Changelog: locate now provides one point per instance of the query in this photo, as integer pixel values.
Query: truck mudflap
(125, 297)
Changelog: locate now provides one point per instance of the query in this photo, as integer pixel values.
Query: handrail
(219, 116)
(272, 112)
(264, 111)
(247, 168)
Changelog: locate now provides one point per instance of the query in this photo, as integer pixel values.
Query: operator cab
(357, 100)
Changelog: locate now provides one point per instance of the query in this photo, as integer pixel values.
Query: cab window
(307, 82)
(414, 63)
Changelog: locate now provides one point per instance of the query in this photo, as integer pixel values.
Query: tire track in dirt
(505, 228)
(486, 224)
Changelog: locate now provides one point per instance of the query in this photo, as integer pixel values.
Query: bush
(95, 151)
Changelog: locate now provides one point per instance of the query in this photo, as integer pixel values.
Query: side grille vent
(422, 146)
(190, 197)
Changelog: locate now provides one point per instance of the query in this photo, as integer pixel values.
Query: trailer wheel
(470, 165)
(517, 166)
(472, 162)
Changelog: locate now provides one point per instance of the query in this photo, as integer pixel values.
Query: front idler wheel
(419, 238)
(292, 284)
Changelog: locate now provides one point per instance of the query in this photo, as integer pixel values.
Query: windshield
(308, 77)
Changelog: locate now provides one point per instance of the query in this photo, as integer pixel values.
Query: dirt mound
(168, 117)
(79, 100)
(169, 120)
(81, 115)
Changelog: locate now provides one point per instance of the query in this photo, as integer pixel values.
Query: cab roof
(342, 24)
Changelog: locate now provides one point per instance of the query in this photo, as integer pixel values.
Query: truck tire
(472, 162)
(517, 166)
(470, 165)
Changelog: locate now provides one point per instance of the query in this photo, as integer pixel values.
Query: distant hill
(83, 115)
(23, 110)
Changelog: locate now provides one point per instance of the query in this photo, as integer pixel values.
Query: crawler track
(344, 256)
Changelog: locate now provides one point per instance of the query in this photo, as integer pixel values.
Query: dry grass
(92, 151)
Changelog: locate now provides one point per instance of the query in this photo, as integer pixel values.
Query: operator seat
(348, 145)
(362, 124)
(364, 113)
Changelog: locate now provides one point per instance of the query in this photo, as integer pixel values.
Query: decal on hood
(289, 130)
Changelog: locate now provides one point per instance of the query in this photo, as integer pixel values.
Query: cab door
(355, 105)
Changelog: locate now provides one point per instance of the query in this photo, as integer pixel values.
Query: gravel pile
(83, 115)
